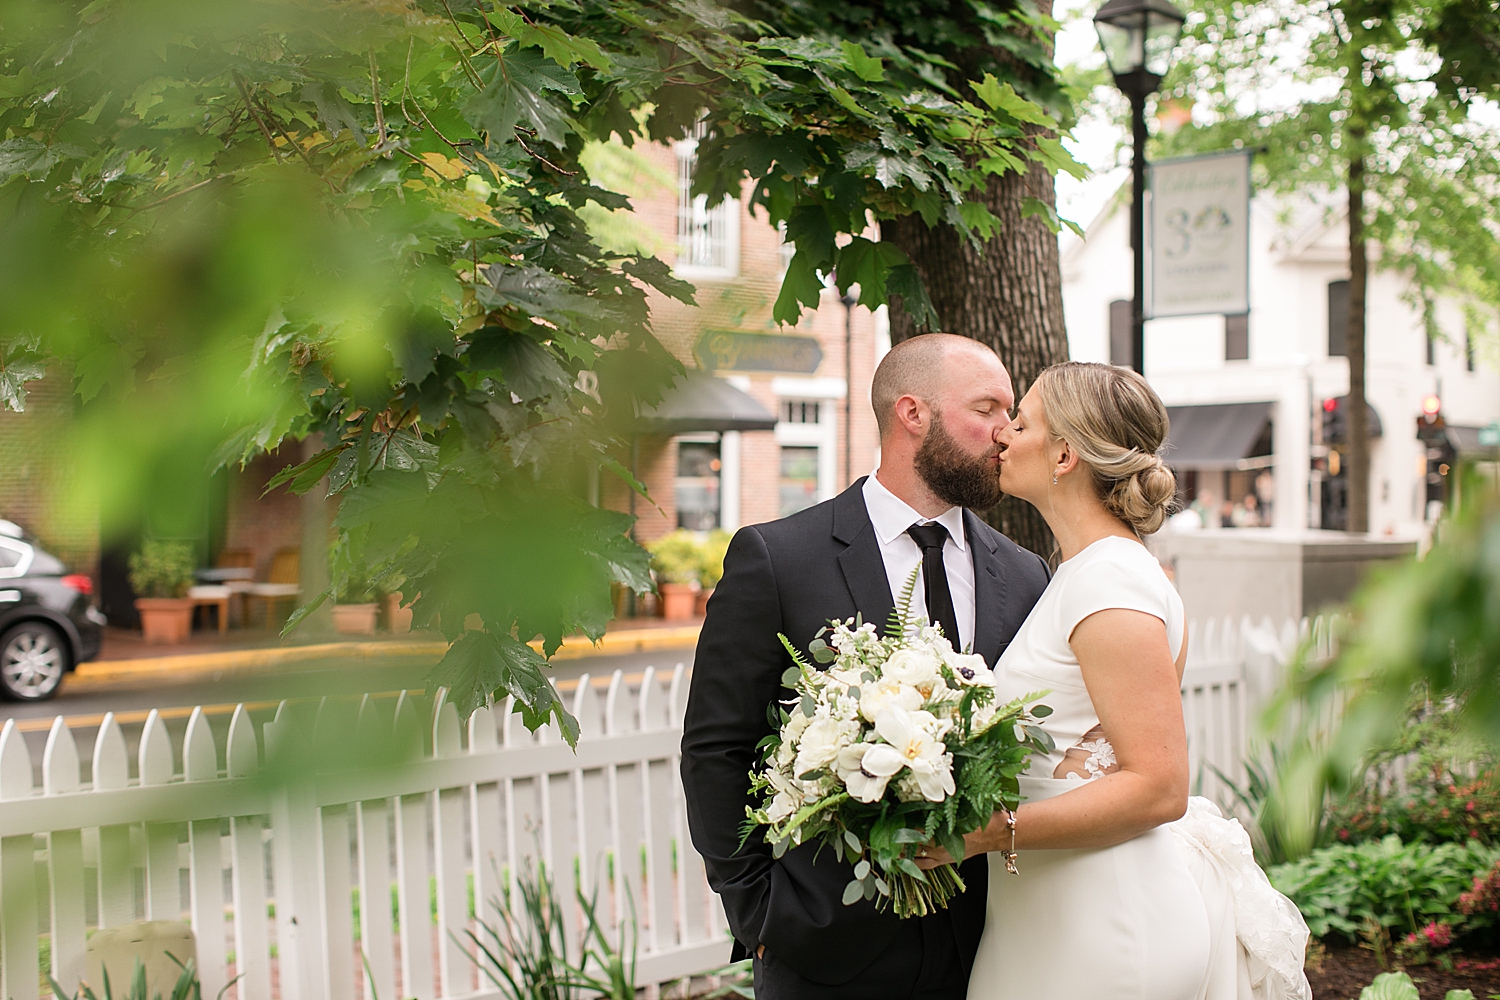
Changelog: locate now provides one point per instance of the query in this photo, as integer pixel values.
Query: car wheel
(33, 659)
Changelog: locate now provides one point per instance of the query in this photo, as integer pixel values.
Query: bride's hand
(930, 856)
(979, 842)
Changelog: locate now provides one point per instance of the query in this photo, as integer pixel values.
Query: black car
(48, 622)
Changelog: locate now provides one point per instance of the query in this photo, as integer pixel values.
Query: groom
(941, 402)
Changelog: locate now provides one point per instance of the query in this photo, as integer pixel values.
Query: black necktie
(931, 538)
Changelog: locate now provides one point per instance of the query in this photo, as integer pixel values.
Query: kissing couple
(1126, 887)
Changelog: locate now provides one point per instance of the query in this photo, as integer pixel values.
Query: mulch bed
(1347, 969)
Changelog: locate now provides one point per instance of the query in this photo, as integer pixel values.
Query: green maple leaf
(1003, 97)
(800, 287)
(869, 265)
(515, 93)
(865, 67)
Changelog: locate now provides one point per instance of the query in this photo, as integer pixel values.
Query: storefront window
(799, 478)
(697, 492)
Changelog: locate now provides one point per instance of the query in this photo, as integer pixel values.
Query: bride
(1119, 887)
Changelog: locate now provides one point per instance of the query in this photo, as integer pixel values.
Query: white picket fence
(462, 816)
(1233, 668)
(457, 816)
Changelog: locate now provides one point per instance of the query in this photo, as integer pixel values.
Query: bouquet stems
(913, 897)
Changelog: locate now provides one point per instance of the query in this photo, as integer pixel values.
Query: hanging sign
(732, 351)
(1199, 251)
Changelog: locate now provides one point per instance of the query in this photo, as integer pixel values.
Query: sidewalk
(126, 659)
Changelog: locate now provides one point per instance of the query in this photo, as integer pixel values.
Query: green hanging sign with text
(731, 351)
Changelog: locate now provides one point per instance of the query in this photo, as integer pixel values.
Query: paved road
(84, 705)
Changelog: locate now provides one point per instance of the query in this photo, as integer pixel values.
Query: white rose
(887, 691)
(971, 670)
(821, 742)
(912, 666)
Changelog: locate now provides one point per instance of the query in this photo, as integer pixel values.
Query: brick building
(802, 376)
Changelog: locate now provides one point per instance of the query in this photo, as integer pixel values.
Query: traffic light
(1439, 454)
(1333, 422)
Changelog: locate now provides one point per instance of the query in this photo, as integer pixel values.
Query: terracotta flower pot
(165, 620)
(677, 601)
(355, 619)
(700, 606)
(397, 618)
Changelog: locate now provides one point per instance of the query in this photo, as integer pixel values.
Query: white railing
(291, 827)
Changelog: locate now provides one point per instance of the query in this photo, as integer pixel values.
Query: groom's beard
(954, 475)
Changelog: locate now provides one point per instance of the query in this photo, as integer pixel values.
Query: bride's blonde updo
(1116, 423)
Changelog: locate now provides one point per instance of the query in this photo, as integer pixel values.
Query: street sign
(1489, 437)
(731, 350)
(1200, 235)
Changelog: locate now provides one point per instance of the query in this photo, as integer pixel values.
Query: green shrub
(1452, 786)
(711, 558)
(676, 557)
(162, 569)
(1384, 882)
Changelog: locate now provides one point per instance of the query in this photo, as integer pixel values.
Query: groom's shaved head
(916, 367)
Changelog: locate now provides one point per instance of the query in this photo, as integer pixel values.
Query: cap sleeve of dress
(1123, 575)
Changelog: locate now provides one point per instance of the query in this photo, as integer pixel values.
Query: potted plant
(676, 559)
(356, 605)
(160, 575)
(710, 566)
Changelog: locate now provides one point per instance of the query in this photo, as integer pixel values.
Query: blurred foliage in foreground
(361, 225)
(1429, 630)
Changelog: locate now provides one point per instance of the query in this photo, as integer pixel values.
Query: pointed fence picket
(379, 874)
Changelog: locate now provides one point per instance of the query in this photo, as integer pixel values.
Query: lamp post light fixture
(1138, 38)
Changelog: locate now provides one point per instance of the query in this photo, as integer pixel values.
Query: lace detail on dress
(1091, 757)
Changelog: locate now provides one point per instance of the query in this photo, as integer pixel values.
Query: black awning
(1467, 444)
(701, 402)
(1215, 436)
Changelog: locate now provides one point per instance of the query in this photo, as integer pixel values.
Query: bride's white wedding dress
(1179, 913)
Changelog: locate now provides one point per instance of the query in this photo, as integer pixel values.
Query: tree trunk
(1355, 419)
(1008, 296)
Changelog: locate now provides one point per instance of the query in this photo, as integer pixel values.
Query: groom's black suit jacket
(791, 576)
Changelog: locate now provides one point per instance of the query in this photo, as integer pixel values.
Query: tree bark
(1355, 419)
(1009, 296)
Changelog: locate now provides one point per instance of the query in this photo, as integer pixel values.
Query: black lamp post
(1138, 37)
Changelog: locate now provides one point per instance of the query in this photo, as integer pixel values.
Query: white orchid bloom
(887, 692)
(971, 670)
(866, 768)
(916, 736)
(821, 742)
(782, 806)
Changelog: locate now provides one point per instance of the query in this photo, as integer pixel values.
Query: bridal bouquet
(896, 744)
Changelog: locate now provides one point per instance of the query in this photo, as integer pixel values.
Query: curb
(190, 665)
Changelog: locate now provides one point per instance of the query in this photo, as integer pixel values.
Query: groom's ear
(911, 413)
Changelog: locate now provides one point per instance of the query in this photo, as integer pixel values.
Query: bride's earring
(1054, 479)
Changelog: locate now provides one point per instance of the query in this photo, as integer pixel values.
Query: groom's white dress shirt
(890, 516)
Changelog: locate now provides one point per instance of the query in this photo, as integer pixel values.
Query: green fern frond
(794, 653)
(902, 622)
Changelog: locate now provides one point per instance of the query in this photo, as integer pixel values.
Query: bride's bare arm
(1135, 687)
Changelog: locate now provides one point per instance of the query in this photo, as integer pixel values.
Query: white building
(1284, 358)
